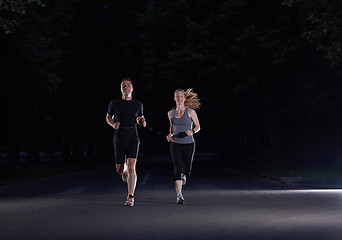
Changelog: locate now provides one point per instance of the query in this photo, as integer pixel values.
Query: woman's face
(179, 97)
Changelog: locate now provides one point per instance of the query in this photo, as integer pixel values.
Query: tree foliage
(267, 71)
(12, 10)
(36, 31)
(321, 21)
(253, 60)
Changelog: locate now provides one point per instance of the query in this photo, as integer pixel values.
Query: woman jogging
(183, 125)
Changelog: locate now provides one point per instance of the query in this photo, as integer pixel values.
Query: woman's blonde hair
(192, 100)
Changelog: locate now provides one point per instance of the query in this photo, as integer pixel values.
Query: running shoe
(180, 199)
(130, 201)
(183, 179)
(124, 176)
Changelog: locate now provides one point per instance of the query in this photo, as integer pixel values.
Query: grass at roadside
(311, 174)
(25, 172)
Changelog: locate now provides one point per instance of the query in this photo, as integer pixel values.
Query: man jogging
(123, 115)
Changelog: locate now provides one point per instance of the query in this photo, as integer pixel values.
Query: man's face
(126, 87)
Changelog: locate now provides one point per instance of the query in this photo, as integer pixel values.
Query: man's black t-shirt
(125, 112)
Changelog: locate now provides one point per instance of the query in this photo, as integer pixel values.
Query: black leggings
(182, 156)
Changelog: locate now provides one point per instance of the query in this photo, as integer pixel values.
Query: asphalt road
(220, 204)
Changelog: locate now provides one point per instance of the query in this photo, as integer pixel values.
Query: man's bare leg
(132, 175)
(119, 168)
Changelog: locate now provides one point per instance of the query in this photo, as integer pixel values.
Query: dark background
(267, 72)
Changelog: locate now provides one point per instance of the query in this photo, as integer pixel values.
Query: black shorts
(126, 145)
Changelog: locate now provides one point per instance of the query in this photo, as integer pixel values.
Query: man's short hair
(127, 79)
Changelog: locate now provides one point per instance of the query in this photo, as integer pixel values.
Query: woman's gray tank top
(181, 125)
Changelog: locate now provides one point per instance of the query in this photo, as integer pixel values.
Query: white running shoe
(130, 201)
(124, 175)
(183, 179)
(180, 199)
